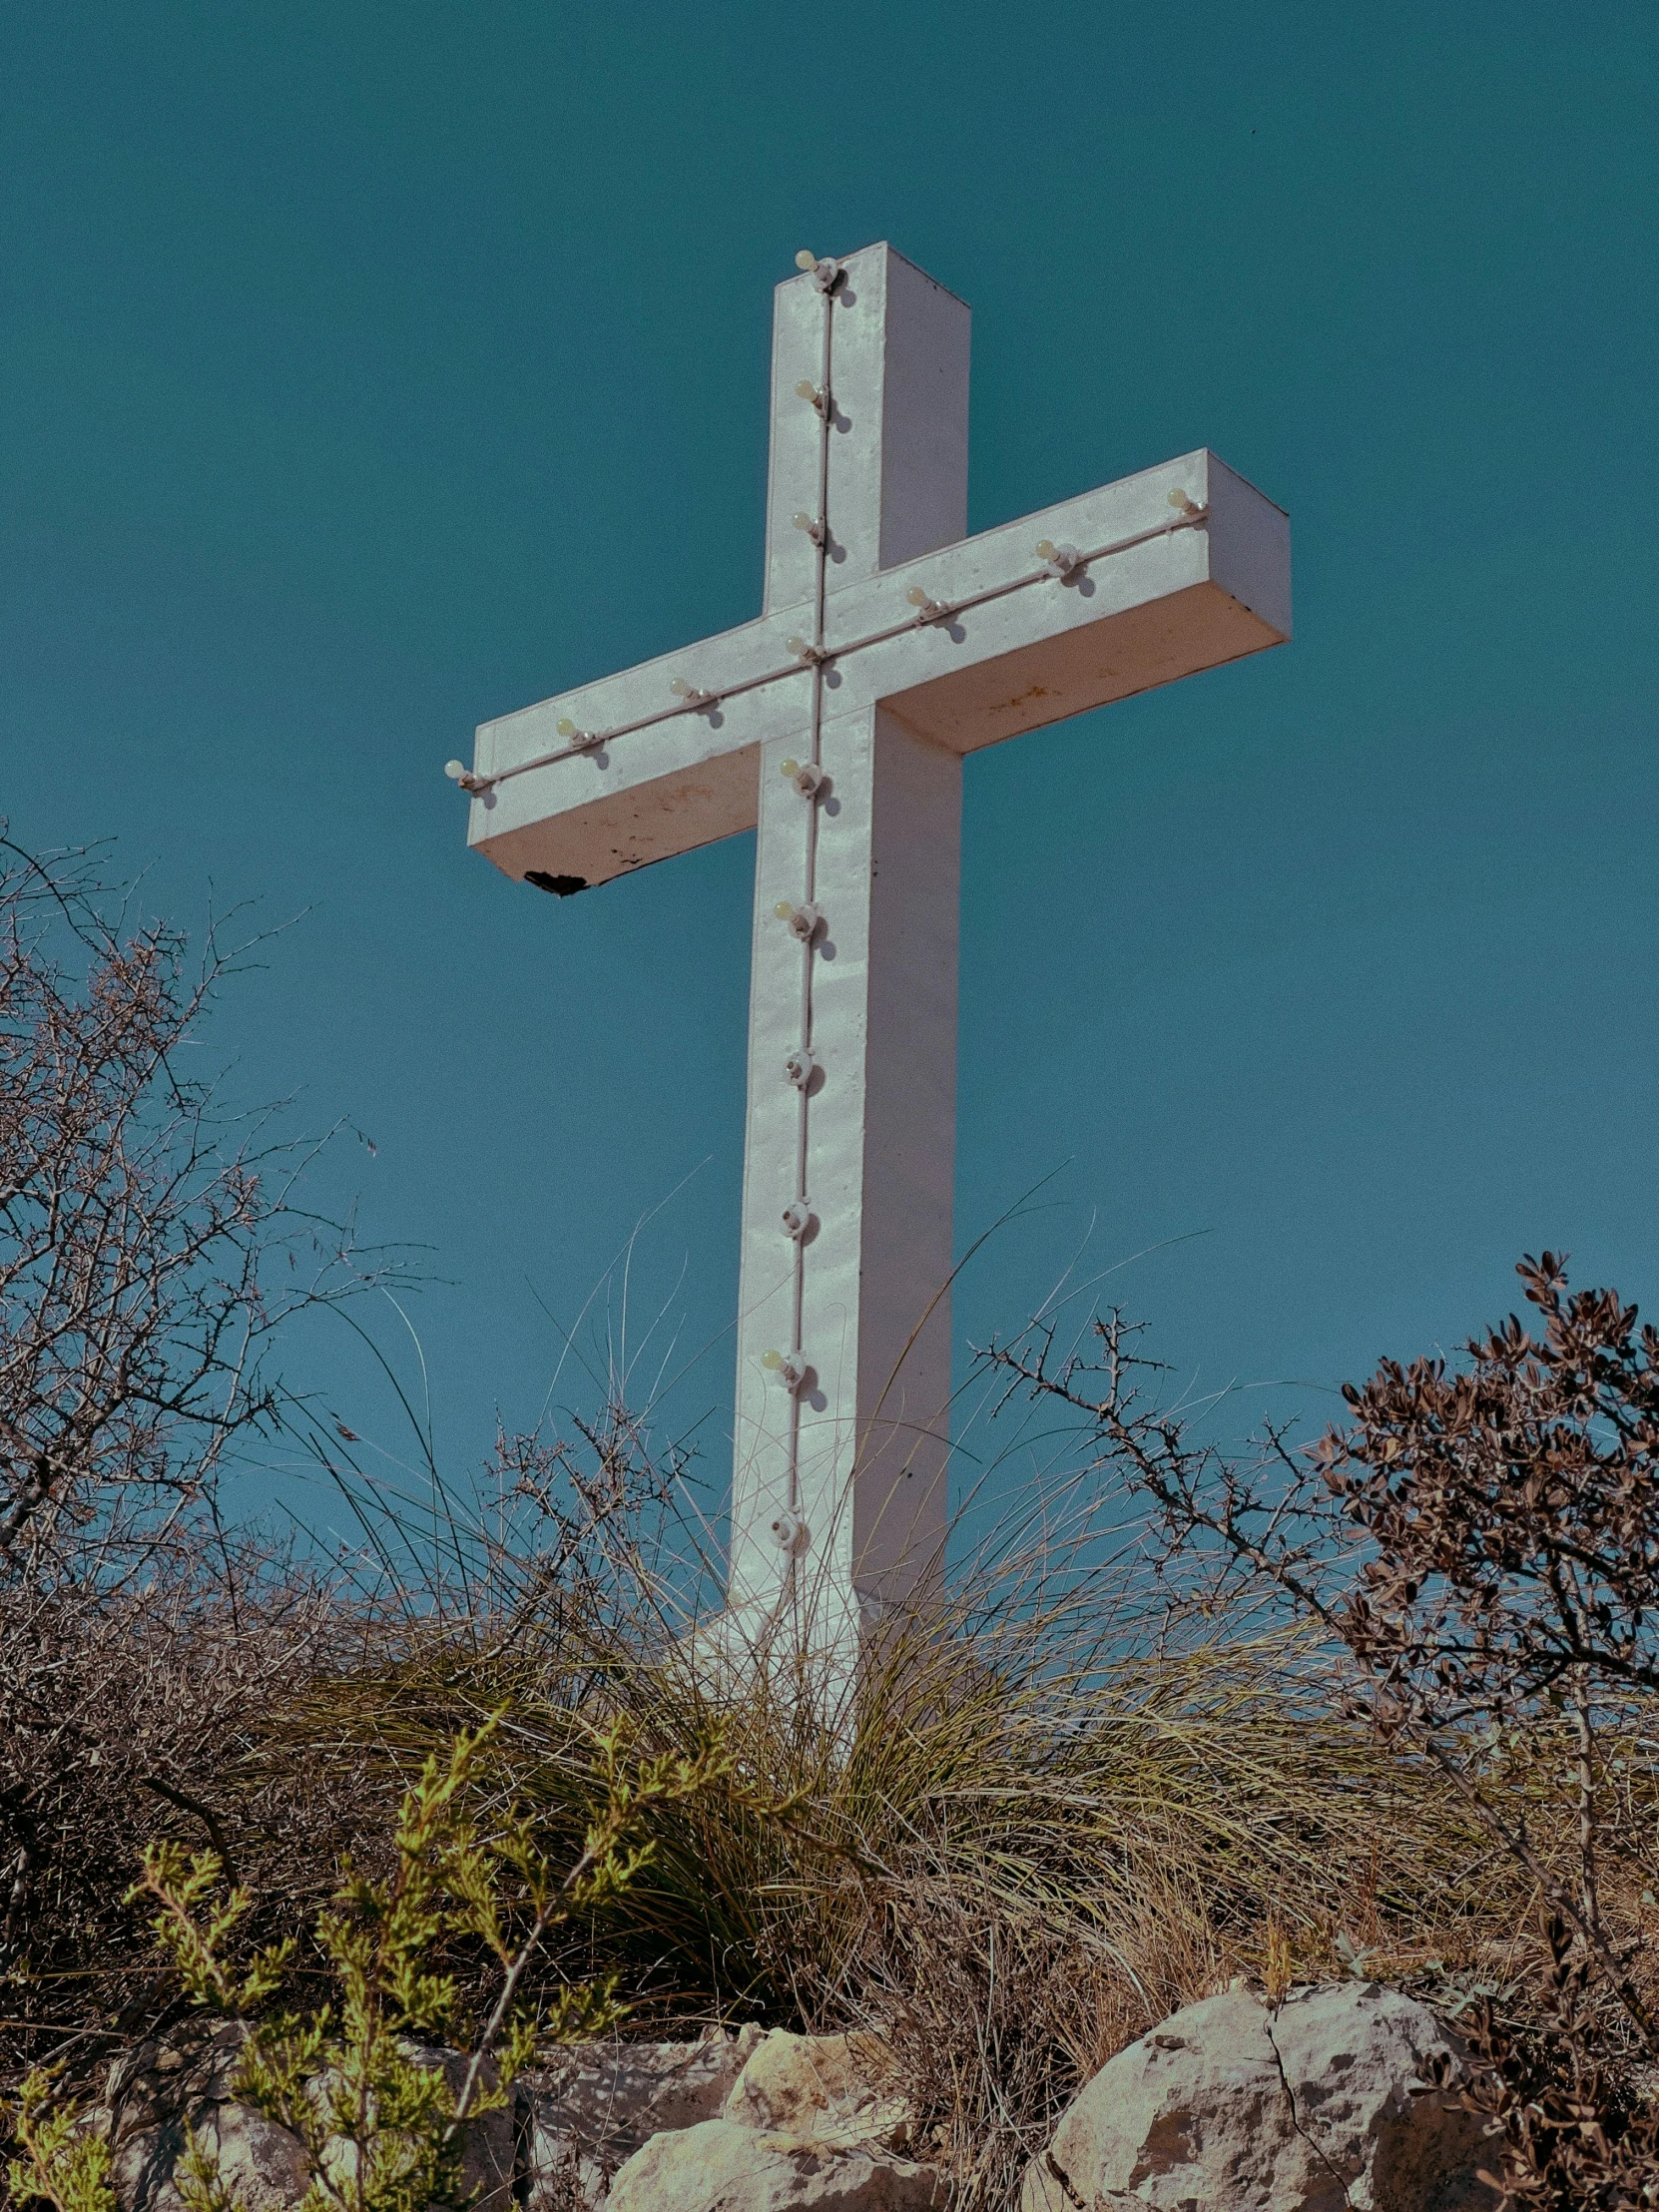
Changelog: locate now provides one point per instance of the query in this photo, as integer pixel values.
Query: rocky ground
(1319, 2104)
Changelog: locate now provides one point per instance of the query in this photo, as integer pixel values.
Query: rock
(600, 2102)
(160, 2090)
(723, 2167)
(1232, 2108)
(777, 2121)
(837, 2088)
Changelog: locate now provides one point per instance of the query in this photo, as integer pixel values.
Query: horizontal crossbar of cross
(1064, 564)
(912, 636)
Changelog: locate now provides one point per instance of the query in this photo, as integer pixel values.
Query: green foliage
(63, 2164)
(182, 1884)
(383, 2122)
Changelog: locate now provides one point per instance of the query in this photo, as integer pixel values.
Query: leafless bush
(135, 1711)
(1480, 1551)
(151, 1242)
(152, 1245)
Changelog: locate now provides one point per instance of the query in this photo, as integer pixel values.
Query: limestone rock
(837, 2089)
(1230, 2107)
(600, 2102)
(723, 2167)
(164, 2087)
(168, 2084)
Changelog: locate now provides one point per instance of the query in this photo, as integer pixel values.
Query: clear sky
(373, 369)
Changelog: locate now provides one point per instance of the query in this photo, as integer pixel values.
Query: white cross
(891, 644)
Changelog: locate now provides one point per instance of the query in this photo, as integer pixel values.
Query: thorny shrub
(153, 1243)
(1481, 1551)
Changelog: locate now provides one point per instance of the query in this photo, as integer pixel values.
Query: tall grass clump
(1028, 1824)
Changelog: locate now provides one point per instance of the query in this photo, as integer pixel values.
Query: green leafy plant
(382, 2118)
(63, 2163)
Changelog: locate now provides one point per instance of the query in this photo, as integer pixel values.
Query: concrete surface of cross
(891, 644)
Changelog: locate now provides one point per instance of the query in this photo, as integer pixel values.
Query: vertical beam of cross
(844, 1332)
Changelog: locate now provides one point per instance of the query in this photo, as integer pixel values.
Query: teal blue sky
(371, 370)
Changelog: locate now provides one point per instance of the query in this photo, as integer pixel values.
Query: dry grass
(1020, 1840)
(1022, 1837)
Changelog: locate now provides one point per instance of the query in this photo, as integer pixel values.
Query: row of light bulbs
(805, 921)
(1063, 561)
